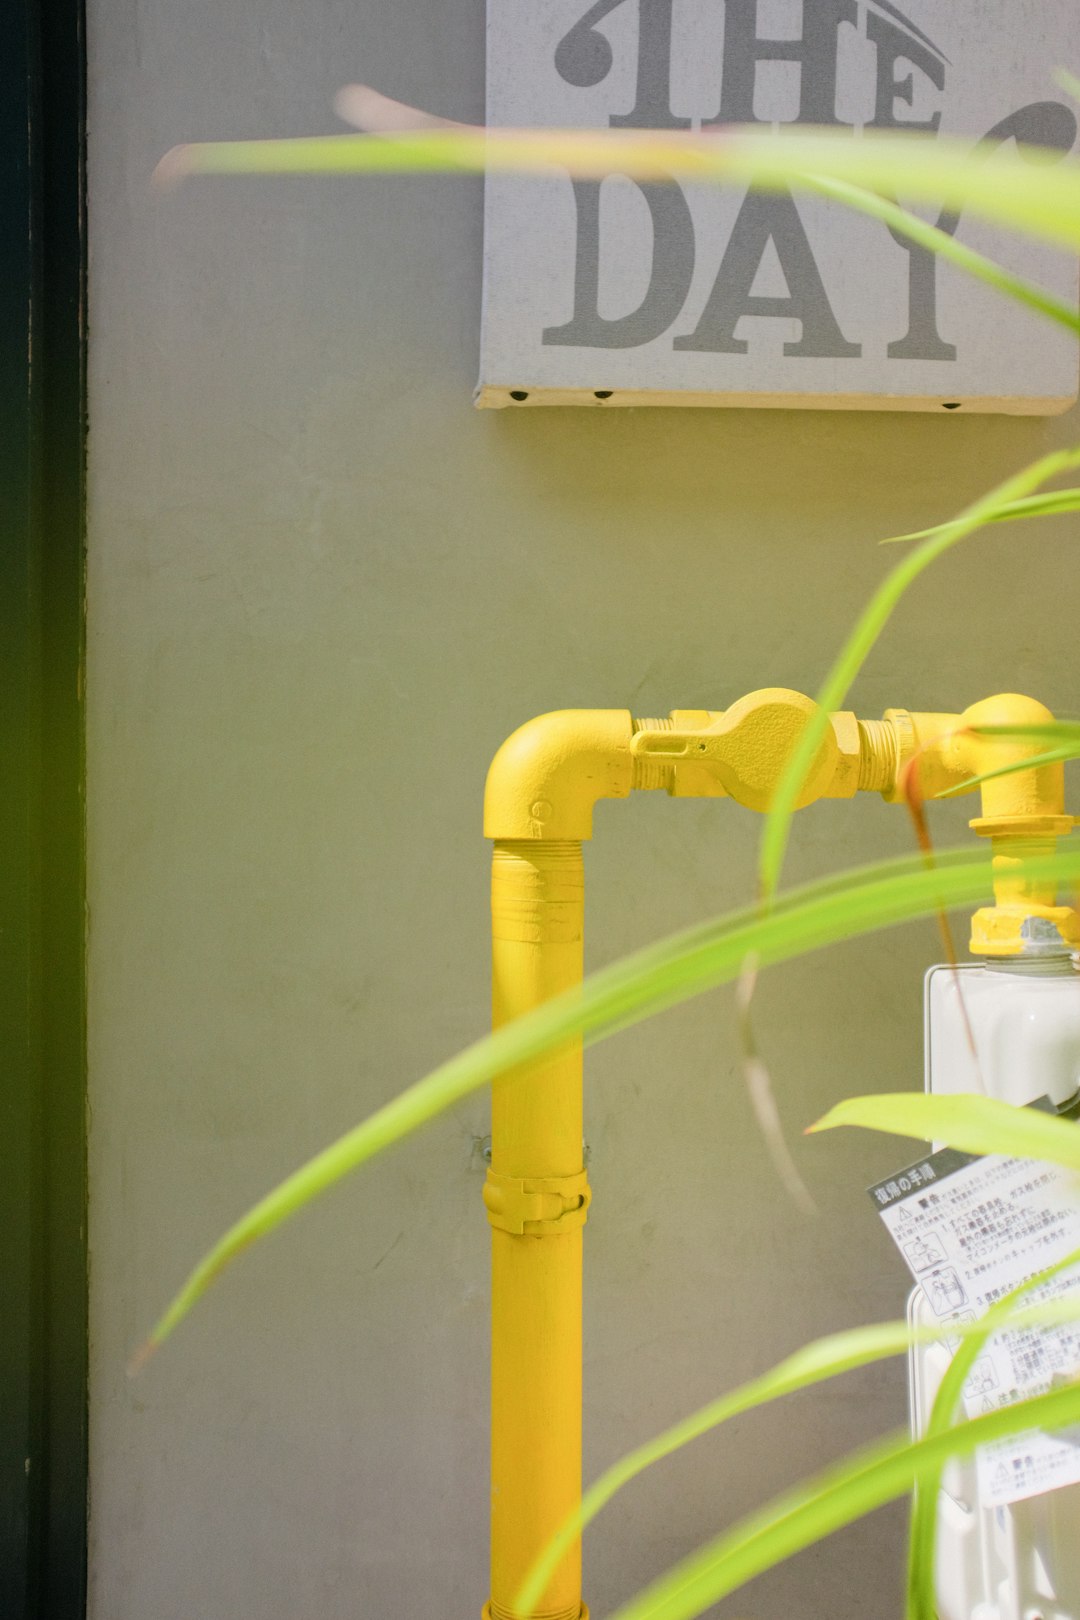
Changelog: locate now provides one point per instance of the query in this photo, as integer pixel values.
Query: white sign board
(608, 292)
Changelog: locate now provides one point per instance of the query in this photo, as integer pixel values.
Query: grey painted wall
(322, 590)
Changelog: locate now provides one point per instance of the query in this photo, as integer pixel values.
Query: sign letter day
(611, 292)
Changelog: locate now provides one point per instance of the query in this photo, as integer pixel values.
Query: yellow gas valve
(740, 753)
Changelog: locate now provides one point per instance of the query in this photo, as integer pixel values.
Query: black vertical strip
(21, 1269)
(62, 328)
(42, 1046)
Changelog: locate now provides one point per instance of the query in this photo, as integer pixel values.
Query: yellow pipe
(549, 774)
(537, 1187)
(1023, 814)
(542, 789)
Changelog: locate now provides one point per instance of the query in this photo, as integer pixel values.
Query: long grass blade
(1053, 756)
(1066, 733)
(1033, 731)
(823, 1359)
(841, 907)
(974, 1124)
(947, 247)
(860, 643)
(836, 1497)
(1028, 189)
(1051, 503)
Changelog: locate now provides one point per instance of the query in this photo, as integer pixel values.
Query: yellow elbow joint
(1023, 811)
(547, 777)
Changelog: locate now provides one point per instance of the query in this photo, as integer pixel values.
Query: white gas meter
(1005, 1551)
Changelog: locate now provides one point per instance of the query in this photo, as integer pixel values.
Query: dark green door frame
(43, 1358)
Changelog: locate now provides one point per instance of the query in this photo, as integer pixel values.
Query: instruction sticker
(971, 1229)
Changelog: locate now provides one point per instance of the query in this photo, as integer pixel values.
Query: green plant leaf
(1066, 733)
(1051, 503)
(860, 643)
(975, 1124)
(339, 154)
(947, 247)
(1033, 730)
(862, 1482)
(1054, 756)
(1032, 192)
(923, 1535)
(1026, 188)
(812, 1364)
(843, 906)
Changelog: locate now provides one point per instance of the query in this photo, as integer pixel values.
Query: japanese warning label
(971, 1229)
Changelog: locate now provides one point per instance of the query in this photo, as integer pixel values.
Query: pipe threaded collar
(879, 756)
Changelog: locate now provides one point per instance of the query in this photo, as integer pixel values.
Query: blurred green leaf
(824, 1358)
(661, 976)
(841, 907)
(1025, 188)
(1033, 731)
(975, 1124)
(836, 1497)
(945, 246)
(860, 643)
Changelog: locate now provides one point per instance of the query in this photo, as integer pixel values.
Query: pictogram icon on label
(970, 1230)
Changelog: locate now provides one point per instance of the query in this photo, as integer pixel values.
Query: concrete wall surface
(322, 590)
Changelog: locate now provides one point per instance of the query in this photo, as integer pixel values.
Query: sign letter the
(583, 58)
(895, 45)
(816, 52)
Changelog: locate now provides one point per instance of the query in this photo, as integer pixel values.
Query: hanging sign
(610, 293)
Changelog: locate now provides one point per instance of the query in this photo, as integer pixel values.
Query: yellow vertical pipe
(537, 928)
